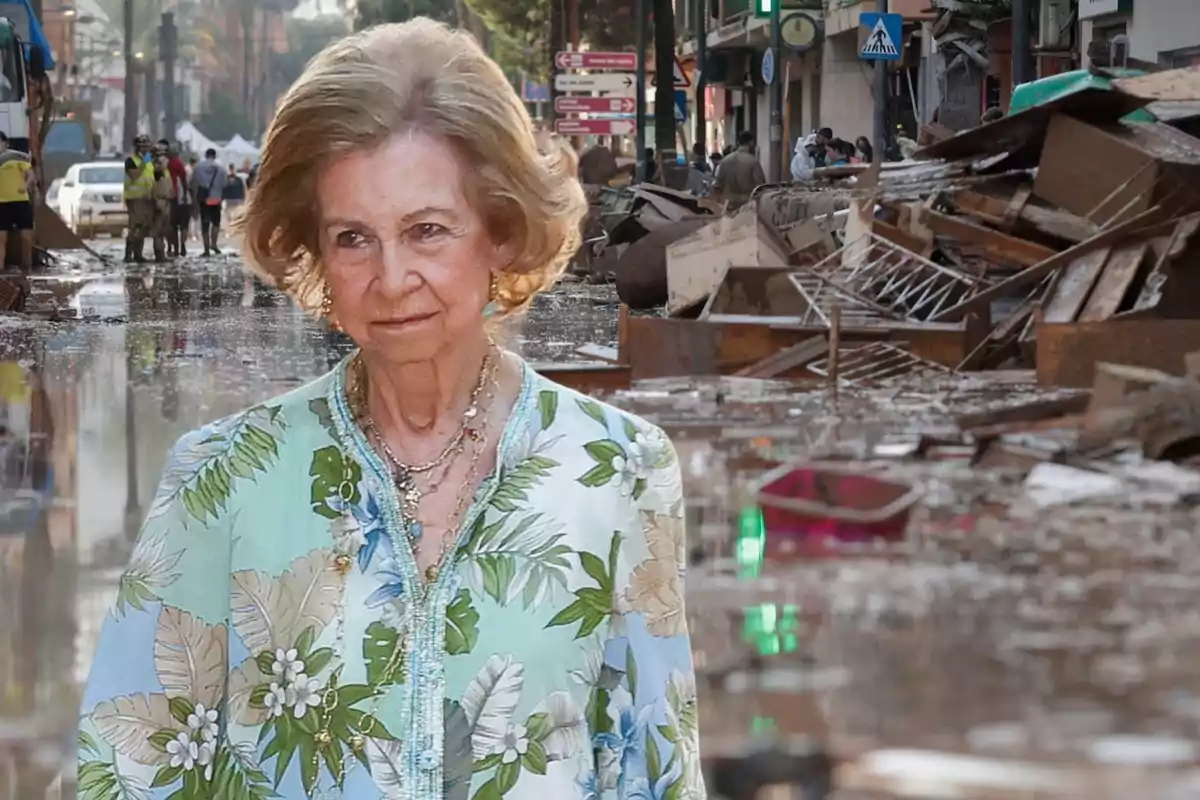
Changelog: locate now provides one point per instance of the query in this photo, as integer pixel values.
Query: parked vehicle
(52, 195)
(69, 140)
(90, 200)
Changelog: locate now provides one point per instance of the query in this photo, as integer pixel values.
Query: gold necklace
(393, 671)
(404, 476)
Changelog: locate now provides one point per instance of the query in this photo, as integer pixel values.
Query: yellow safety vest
(143, 185)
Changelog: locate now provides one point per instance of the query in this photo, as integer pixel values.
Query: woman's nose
(396, 273)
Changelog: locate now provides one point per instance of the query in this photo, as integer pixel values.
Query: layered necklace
(414, 480)
(471, 434)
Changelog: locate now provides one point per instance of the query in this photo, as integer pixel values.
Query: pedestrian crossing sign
(883, 36)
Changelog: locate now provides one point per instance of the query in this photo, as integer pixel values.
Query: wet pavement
(1001, 647)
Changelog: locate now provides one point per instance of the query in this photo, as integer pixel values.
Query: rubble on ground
(952, 407)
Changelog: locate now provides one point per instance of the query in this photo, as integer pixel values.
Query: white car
(52, 194)
(91, 198)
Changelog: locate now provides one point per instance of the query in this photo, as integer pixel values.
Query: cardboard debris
(999, 246)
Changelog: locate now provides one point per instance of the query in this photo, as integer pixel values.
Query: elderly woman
(432, 573)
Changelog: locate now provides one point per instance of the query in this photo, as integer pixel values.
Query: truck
(69, 140)
(27, 106)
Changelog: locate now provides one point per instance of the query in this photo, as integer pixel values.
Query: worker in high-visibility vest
(139, 202)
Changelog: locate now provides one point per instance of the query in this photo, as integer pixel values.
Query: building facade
(826, 85)
(1163, 32)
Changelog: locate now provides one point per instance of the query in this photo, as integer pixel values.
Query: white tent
(236, 151)
(193, 139)
(239, 145)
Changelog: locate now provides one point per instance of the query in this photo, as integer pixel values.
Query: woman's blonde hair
(416, 75)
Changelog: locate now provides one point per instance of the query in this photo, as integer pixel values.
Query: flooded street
(1001, 647)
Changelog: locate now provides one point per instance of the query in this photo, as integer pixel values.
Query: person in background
(804, 158)
(651, 165)
(739, 174)
(194, 205)
(715, 159)
(699, 160)
(163, 195)
(848, 152)
(992, 115)
(208, 187)
(835, 153)
(864, 147)
(251, 176)
(181, 207)
(234, 193)
(18, 190)
(824, 137)
(139, 201)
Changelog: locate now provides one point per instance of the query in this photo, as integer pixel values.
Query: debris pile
(1004, 246)
(954, 405)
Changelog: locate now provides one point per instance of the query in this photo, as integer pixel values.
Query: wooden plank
(997, 245)
(1114, 282)
(586, 378)
(1067, 354)
(1074, 286)
(1050, 221)
(1015, 205)
(1166, 249)
(1039, 271)
(787, 359)
(598, 352)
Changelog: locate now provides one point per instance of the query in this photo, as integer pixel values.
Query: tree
(224, 117)
(375, 12)
(306, 38)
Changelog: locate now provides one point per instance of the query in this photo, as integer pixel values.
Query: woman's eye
(349, 239)
(424, 231)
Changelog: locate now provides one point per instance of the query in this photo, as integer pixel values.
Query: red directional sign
(567, 59)
(596, 127)
(603, 105)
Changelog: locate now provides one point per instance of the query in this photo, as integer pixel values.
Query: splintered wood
(1065, 214)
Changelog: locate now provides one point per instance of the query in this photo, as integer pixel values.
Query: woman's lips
(405, 321)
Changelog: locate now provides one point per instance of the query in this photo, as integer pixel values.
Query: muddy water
(999, 649)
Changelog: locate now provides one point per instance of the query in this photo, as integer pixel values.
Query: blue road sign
(680, 105)
(883, 36)
(768, 66)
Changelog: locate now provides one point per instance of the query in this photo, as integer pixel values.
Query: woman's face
(408, 260)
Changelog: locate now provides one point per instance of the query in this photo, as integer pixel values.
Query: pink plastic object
(812, 509)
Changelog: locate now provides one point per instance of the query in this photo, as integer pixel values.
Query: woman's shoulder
(603, 449)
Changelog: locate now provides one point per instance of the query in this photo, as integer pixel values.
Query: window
(66, 137)
(1176, 59)
(113, 174)
(11, 88)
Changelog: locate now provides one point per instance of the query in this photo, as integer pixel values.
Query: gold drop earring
(327, 310)
(492, 307)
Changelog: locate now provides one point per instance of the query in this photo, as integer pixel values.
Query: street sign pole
(639, 26)
(775, 175)
(701, 34)
(881, 98)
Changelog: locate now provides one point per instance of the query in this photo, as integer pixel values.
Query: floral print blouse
(271, 638)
